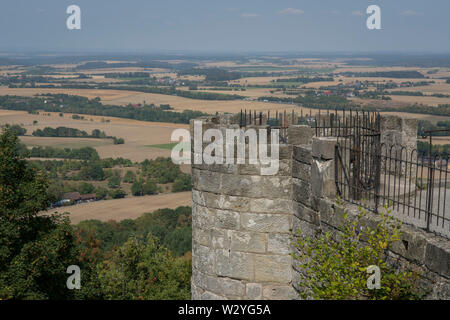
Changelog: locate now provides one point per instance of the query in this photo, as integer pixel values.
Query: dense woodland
(129, 261)
(387, 74)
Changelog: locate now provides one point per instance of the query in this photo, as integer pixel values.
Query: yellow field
(138, 135)
(438, 140)
(439, 87)
(430, 101)
(126, 208)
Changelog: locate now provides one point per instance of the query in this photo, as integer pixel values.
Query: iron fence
(372, 174)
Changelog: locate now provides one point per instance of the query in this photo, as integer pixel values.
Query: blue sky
(225, 26)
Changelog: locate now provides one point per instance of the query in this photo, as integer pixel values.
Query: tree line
(75, 133)
(76, 104)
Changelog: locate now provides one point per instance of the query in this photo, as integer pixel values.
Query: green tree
(129, 177)
(335, 267)
(101, 192)
(182, 183)
(92, 171)
(114, 181)
(117, 193)
(149, 187)
(145, 271)
(86, 188)
(136, 189)
(35, 250)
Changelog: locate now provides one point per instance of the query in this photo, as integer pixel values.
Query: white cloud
(409, 13)
(249, 15)
(334, 12)
(291, 11)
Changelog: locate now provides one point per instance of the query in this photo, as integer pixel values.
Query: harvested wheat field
(123, 97)
(430, 101)
(439, 87)
(88, 93)
(127, 208)
(138, 135)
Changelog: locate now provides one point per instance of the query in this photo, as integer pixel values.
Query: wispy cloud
(250, 15)
(409, 13)
(334, 12)
(357, 13)
(291, 11)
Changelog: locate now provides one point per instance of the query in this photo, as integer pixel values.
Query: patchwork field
(127, 208)
(138, 135)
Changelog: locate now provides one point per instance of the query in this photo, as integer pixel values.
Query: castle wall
(244, 224)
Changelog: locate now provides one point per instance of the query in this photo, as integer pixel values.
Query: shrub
(337, 268)
(117, 193)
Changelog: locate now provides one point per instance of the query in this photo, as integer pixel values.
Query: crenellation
(245, 224)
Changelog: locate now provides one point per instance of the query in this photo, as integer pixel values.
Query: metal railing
(413, 185)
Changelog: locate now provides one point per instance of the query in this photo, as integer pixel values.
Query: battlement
(244, 222)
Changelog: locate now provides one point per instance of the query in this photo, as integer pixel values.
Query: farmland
(210, 86)
(128, 208)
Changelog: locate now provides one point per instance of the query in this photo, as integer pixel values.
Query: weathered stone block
(273, 268)
(279, 243)
(231, 287)
(213, 284)
(201, 236)
(246, 186)
(202, 217)
(390, 122)
(196, 293)
(437, 256)
(324, 147)
(411, 246)
(285, 151)
(307, 214)
(303, 153)
(211, 296)
(322, 179)
(203, 258)
(198, 198)
(237, 265)
(274, 292)
(264, 205)
(307, 229)
(276, 187)
(300, 134)
(207, 180)
(248, 241)
(227, 219)
(253, 291)
(301, 171)
(226, 202)
(220, 238)
(301, 191)
(265, 222)
(198, 279)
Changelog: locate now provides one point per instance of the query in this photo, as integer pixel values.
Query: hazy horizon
(234, 27)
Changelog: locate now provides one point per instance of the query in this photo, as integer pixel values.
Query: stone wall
(244, 223)
(315, 210)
